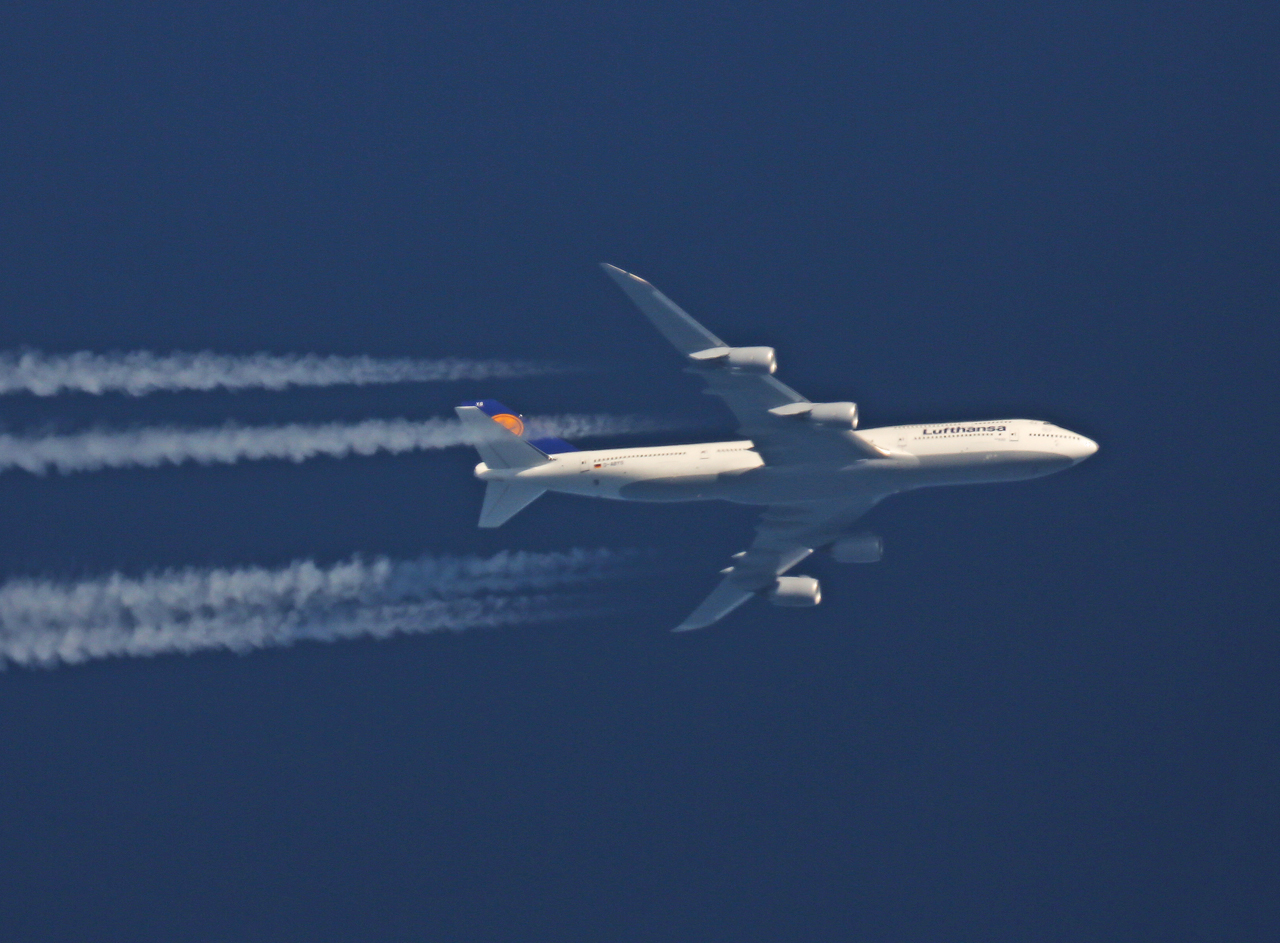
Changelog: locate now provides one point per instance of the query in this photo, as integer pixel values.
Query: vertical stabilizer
(497, 439)
(503, 500)
(498, 435)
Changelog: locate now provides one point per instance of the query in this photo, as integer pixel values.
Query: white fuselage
(918, 456)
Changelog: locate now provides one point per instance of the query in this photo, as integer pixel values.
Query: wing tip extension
(689, 625)
(623, 277)
(725, 598)
(614, 272)
(672, 321)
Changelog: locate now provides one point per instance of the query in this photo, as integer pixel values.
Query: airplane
(808, 464)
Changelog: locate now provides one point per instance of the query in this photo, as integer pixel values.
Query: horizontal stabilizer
(503, 500)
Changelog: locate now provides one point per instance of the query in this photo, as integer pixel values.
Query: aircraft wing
(785, 535)
(780, 439)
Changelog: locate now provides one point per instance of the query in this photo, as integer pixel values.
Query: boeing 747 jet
(807, 464)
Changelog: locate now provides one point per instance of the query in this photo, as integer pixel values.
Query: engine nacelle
(824, 414)
(858, 548)
(835, 414)
(752, 359)
(796, 591)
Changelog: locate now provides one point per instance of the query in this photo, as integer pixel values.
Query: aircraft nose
(1083, 448)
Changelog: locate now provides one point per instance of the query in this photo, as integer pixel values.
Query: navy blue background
(1051, 713)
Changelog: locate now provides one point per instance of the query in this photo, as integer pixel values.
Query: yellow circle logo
(511, 422)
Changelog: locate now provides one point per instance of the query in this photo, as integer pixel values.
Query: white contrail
(47, 622)
(140, 372)
(149, 447)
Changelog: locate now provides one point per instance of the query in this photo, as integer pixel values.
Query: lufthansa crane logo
(511, 422)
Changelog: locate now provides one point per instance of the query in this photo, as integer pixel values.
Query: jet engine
(795, 591)
(741, 359)
(752, 359)
(824, 414)
(858, 548)
(835, 414)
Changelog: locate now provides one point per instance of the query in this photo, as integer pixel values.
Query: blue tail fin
(515, 422)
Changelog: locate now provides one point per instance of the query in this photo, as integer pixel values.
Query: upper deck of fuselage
(986, 435)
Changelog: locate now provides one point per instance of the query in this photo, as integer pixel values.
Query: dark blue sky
(1051, 713)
